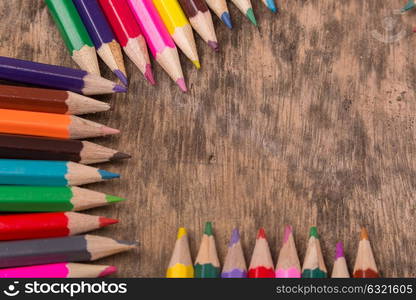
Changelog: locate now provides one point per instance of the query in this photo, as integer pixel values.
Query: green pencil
(314, 265)
(51, 199)
(207, 264)
(74, 34)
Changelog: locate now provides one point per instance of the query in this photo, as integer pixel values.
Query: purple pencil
(340, 265)
(57, 77)
(102, 36)
(235, 264)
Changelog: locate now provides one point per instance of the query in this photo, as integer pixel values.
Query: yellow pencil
(180, 265)
(178, 27)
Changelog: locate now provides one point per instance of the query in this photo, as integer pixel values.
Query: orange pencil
(50, 125)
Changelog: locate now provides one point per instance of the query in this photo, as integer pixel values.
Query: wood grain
(308, 120)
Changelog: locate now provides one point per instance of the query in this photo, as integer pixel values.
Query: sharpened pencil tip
(109, 131)
(271, 5)
(208, 228)
(261, 234)
(113, 199)
(364, 234)
(182, 85)
(107, 221)
(214, 45)
(108, 175)
(120, 155)
(149, 74)
(181, 232)
(339, 250)
(119, 89)
(235, 237)
(409, 5)
(123, 78)
(129, 244)
(251, 17)
(288, 232)
(197, 64)
(227, 20)
(108, 271)
(314, 232)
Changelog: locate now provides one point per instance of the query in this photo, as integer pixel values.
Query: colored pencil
(340, 269)
(220, 8)
(48, 101)
(245, 7)
(365, 265)
(27, 147)
(59, 270)
(51, 199)
(234, 264)
(179, 28)
(74, 34)
(158, 39)
(180, 265)
(102, 36)
(201, 20)
(50, 125)
(128, 34)
(314, 265)
(49, 173)
(288, 265)
(48, 225)
(207, 264)
(57, 77)
(55, 250)
(410, 4)
(261, 265)
(270, 4)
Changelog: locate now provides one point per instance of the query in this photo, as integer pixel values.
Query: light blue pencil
(49, 173)
(270, 4)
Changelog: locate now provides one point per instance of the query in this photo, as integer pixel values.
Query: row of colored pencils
(104, 27)
(207, 264)
(42, 163)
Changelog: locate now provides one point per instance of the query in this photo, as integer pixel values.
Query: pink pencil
(158, 39)
(60, 270)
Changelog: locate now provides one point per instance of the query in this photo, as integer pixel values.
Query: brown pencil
(365, 265)
(49, 101)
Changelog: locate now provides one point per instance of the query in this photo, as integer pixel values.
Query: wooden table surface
(309, 120)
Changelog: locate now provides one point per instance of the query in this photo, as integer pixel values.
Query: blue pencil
(49, 173)
(102, 36)
(270, 4)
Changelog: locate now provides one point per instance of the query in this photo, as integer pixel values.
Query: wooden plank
(308, 120)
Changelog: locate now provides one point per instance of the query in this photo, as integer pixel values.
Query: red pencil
(261, 265)
(48, 225)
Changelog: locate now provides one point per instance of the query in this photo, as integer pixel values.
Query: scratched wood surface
(308, 120)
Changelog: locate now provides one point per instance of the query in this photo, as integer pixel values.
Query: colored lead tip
(314, 232)
(113, 199)
(181, 232)
(108, 175)
(261, 234)
(214, 45)
(108, 271)
(197, 64)
(235, 237)
(409, 5)
(107, 221)
(182, 85)
(288, 232)
(271, 5)
(364, 234)
(225, 17)
(109, 131)
(120, 155)
(149, 74)
(339, 250)
(119, 89)
(208, 228)
(251, 17)
(122, 77)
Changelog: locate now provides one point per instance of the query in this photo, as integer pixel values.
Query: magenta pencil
(60, 270)
(158, 39)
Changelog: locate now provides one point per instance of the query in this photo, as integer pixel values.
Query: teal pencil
(49, 173)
